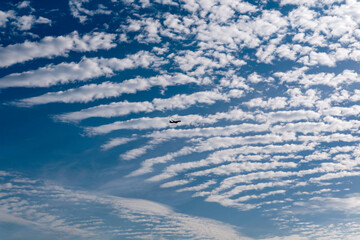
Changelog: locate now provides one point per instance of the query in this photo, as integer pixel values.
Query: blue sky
(268, 97)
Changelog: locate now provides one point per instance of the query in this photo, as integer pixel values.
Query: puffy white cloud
(25, 22)
(307, 99)
(80, 12)
(304, 18)
(272, 103)
(148, 29)
(5, 16)
(347, 9)
(176, 27)
(23, 4)
(316, 156)
(318, 59)
(309, 2)
(292, 75)
(55, 46)
(92, 92)
(199, 63)
(62, 73)
(87, 68)
(288, 116)
(346, 77)
(270, 22)
(336, 137)
(330, 176)
(306, 127)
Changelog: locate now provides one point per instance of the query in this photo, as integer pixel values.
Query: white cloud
(42, 20)
(346, 77)
(174, 169)
(114, 142)
(5, 16)
(306, 99)
(330, 176)
(288, 116)
(163, 122)
(135, 123)
(80, 12)
(292, 75)
(148, 30)
(23, 4)
(171, 134)
(336, 137)
(316, 156)
(208, 132)
(92, 92)
(174, 183)
(55, 46)
(290, 237)
(349, 204)
(309, 2)
(242, 167)
(271, 103)
(198, 187)
(349, 8)
(87, 68)
(235, 155)
(62, 73)
(215, 143)
(25, 22)
(135, 153)
(179, 101)
(262, 195)
(320, 58)
(31, 204)
(225, 198)
(301, 133)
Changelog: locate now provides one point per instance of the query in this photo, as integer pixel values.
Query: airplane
(174, 121)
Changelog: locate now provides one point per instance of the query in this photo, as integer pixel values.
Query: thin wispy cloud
(26, 202)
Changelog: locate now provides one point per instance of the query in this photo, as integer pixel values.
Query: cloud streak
(86, 69)
(92, 92)
(179, 101)
(50, 47)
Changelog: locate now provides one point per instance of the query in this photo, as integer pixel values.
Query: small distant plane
(174, 121)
